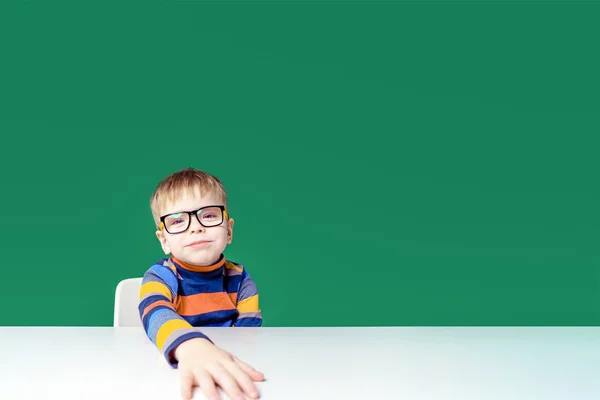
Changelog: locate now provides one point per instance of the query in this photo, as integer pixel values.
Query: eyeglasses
(180, 222)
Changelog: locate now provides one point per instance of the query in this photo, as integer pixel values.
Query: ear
(163, 241)
(230, 223)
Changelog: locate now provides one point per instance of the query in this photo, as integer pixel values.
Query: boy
(196, 286)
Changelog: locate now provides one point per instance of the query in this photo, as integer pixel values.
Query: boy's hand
(203, 364)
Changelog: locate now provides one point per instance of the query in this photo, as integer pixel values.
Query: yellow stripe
(229, 265)
(155, 287)
(167, 329)
(248, 305)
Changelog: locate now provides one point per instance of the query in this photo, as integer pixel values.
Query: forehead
(190, 200)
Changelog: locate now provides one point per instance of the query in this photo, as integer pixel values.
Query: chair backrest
(127, 298)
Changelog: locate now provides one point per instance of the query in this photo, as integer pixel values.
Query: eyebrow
(196, 209)
(181, 212)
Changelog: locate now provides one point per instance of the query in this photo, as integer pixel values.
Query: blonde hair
(185, 181)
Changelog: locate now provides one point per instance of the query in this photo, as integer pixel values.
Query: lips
(199, 243)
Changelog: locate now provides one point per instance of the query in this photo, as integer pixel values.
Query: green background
(388, 163)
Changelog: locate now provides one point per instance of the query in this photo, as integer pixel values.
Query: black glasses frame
(195, 212)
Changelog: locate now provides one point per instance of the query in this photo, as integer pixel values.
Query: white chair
(127, 298)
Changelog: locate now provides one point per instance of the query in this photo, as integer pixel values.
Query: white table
(313, 363)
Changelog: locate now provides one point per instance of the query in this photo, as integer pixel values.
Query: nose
(195, 225)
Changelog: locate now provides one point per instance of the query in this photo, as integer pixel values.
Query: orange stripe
(156, 304)
(198, 268)
(203, 303)
(233, 297)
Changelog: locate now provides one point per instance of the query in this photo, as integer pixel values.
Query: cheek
(221, 235)
(173, 243)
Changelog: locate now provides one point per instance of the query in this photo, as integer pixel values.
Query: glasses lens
(176, 223)
(210, 216)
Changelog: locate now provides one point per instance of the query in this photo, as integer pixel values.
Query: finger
(242, 378)
(186, 386)
(254, 374)
(207, 385)
(226, 381)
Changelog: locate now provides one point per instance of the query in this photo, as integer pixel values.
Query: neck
(199, 268)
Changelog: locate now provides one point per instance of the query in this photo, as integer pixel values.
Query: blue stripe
(215, 318)
(167, 276)
(191, 335)
(233, 283)
(247, 289)
(201, 284)
(224, 324)
(146, 320)
(154, 325)
(249, 322)
(149, 300)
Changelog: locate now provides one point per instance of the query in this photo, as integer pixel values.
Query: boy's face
(198, 245)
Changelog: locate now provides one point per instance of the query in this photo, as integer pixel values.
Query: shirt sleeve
(165, 328)
(247, 303)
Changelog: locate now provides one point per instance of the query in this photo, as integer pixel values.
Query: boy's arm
(165, 328)
(247, 303)
(200, 362)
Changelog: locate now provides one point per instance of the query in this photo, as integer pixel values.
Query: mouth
(199, 243)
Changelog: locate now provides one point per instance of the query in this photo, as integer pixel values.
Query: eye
(175, 219)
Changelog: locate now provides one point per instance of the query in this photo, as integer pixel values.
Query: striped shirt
(175, 298)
